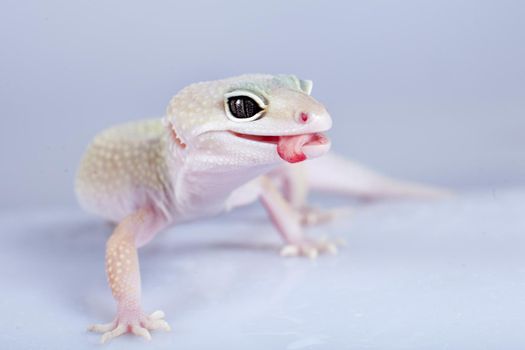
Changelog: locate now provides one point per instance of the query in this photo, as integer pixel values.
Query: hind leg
(287, 221)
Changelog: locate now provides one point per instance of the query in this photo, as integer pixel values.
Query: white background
(426, 90)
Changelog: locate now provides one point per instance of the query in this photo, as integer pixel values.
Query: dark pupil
(243, 107)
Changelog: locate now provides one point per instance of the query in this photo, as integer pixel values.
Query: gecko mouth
(294, 148)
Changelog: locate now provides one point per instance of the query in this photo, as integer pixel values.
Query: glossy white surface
(442, 275)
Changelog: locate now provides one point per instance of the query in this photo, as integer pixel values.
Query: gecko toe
(331, 248)
(157, 315)
(310, 248)
(102, 328)
(312, 253)
(140, 331)
(119, 330)
(132, 321)
(290, 250)
(157, 325)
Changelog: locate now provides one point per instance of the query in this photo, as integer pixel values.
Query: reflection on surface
(414, 275)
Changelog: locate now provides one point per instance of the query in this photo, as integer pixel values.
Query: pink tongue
(290, 148)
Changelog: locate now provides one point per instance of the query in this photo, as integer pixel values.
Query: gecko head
(251, 119)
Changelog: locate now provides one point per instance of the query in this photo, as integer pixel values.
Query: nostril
(304, 117)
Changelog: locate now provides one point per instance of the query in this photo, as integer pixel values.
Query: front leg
(292, 181)
(288, 222)
(122, 268)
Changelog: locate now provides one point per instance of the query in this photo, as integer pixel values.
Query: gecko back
(122, 168)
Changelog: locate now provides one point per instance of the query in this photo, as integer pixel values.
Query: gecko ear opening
(306, 86)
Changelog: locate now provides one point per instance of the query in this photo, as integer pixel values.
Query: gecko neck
(203, 182)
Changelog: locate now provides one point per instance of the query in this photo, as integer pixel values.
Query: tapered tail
(335, 174)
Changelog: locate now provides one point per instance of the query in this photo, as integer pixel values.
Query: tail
(334, 174)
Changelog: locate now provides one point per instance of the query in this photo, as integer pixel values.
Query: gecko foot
(311, 248)
(135, 322)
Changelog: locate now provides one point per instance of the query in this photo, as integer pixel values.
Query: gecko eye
(243, 106)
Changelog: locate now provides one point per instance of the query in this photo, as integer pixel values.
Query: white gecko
(222, 144)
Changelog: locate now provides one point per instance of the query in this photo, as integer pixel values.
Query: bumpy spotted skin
(124, 169)
(222, 144)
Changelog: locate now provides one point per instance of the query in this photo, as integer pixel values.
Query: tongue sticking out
(297, 148)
